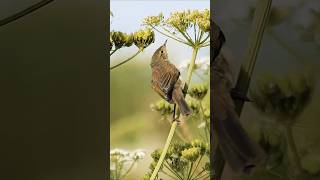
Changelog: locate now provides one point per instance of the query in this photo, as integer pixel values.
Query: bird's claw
(236, 95)
(176, 120)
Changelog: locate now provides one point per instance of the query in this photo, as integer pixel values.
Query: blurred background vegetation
(289, 51)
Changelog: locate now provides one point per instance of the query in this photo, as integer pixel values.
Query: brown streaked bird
(165, 80)
(240, 152)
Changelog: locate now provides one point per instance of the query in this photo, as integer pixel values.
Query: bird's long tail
(178, 98)
(241, 153)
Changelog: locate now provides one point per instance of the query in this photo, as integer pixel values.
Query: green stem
(164, 151)
(293, 148)
(174, 178)
(171, 170)
(204, 40)
(24, 12)
(114, 51)
(130, 168)
(192, 63)
(207, 124)
(115, 66)
(169, 36)
(258, 27)
(174, 124)
(185, 36)
(168, 31)
(195, 169)
(190, 170)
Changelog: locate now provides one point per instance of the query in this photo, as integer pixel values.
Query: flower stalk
(175, 123)
(259, 24)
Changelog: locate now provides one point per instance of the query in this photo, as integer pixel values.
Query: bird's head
(160, 54)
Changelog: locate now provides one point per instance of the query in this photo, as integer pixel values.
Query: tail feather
(241, 153)
(178, 98)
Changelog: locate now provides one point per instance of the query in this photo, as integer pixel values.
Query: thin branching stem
(24, 12)
(196, 167)
(171, 170)
(169, 36)
(127, 60)
(293, 148)
(190, 171)
(204, 40)
(165, 29)
(127, 172)
(113, 51)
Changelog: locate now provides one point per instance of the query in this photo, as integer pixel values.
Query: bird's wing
(164, 79)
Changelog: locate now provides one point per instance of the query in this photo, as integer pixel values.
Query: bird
(239, 151)
(165, 80)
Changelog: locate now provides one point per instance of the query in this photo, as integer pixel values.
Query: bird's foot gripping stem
(176, 120)
(236, 95)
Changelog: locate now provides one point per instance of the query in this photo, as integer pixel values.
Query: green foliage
(183, 159)
(284, 99)
(199, 91)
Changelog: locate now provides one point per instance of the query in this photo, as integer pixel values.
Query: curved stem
(190, 170)
(169, 36)
(293, 147)
(175, 123)
(171, 170)
(114, 51)
(127, 172)
(205, 45)
(204, 40)
(185, 36)
(24, 12)
(165, 29)
(113, 67)
(195, 169)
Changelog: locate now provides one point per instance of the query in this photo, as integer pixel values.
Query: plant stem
(128, 170)
(259, 24)
(195, 169)
(175, 123)
(114, 51)
(190, 170)
(293, 148)
(24, 12)
(115, 66)
(192, 63)
(174, 38)
(171, 170)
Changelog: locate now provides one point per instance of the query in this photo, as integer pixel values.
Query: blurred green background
(290, 46)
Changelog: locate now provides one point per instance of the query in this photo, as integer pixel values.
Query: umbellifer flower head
(153, 20)
(143, 38)
(191, 154)
(199, 91)
(163, 107)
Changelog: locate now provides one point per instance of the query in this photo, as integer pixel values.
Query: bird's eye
(161, 51)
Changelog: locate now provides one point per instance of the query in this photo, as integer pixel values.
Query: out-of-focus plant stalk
(24, 12)
(293, 148)
(259, 24)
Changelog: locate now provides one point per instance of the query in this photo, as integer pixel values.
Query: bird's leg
(236, 95)
(174, 114)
